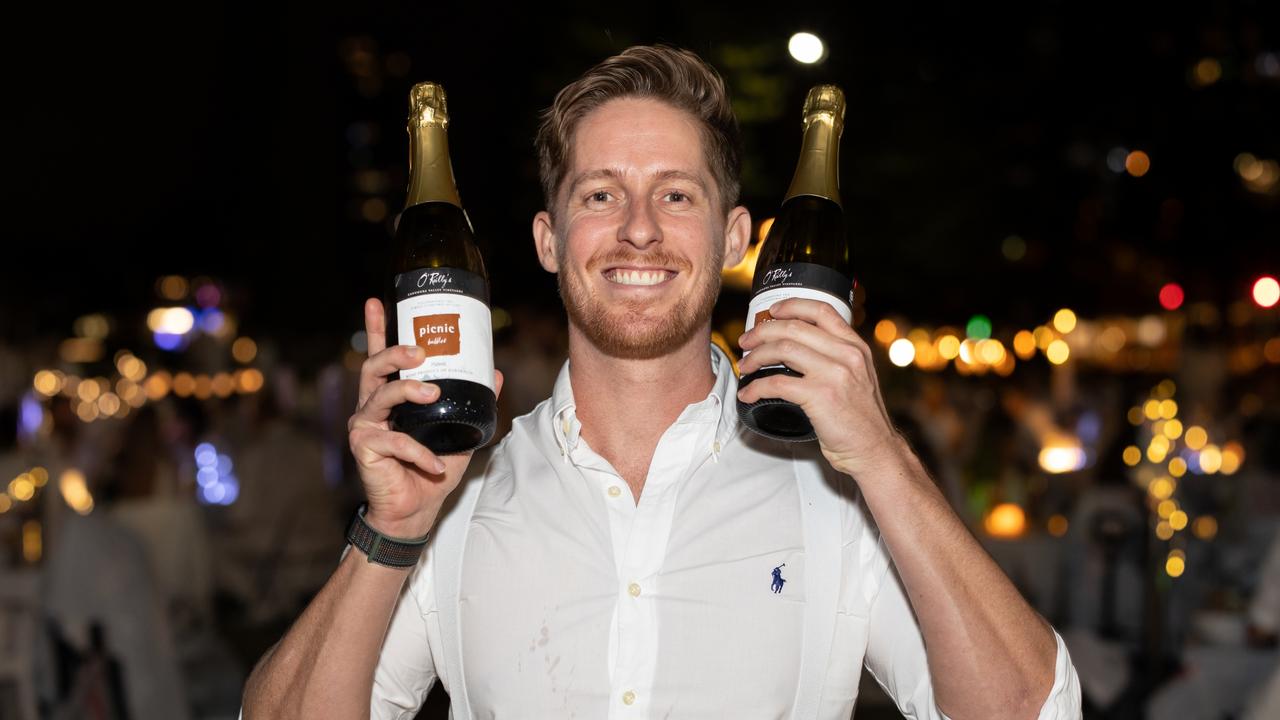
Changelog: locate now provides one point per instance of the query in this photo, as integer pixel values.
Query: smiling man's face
(640, 235)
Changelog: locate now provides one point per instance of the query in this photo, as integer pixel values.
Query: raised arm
(989, 653)
(324, 666)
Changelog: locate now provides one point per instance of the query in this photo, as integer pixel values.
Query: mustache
(657, 257)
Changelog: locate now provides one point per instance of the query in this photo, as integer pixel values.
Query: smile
(627, 276)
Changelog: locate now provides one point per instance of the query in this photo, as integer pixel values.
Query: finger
(865, 349)
(794, 354)
(802, 332)
(378, 408)
(498, 379)
(782, 387)
(815, 311)
(374, 371)
(375, 326)
(370, 445)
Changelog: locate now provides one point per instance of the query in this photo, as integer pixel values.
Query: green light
(979, 327)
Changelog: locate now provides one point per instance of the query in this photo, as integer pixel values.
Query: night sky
(247, 142)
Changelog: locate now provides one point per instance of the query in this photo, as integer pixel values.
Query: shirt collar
(722, 400)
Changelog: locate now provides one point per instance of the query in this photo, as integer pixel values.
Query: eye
(599, 196)
(677, 196)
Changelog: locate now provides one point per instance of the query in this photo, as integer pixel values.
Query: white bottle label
(445, 312)
(799, 280)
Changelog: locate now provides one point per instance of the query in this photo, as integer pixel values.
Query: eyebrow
(614, 174)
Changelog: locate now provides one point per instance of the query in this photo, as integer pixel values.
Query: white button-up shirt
(748, 581)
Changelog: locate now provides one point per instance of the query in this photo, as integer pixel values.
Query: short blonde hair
(674, 76)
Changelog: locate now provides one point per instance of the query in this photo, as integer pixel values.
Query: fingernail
(417, 352)
(439, 466)
(425, 391)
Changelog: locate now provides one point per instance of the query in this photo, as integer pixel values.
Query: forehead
(639, 136)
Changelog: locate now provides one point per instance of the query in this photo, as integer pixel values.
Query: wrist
(887, 456)
(383, 548)
(405, 529)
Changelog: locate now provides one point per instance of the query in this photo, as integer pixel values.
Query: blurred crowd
(154, 599)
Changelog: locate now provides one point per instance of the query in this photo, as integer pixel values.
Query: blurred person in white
(1263, 632)
(277, 544)
(628, 550)
(100, 572)
(148, 496)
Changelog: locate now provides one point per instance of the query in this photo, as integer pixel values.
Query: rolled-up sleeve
(896, 659)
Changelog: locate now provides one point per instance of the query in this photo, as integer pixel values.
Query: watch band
(383, 549)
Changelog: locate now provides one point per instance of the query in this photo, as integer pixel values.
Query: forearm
(989, 653)
(324, 665)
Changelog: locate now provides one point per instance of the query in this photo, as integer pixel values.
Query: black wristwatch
(383, 549)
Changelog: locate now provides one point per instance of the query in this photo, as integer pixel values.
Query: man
(629, 550)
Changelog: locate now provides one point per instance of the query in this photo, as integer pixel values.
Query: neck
(626, 405)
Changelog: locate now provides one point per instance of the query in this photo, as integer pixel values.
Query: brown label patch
(437, 334)
(763, 317)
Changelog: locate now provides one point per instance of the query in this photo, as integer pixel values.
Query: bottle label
(445, 311)
(798, 280)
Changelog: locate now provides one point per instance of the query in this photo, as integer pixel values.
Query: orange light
(1024, 344)
(1205, 527)
(886, 331)
(1058, 525)
(948, 347)
(1137, 163)
(1006, 520)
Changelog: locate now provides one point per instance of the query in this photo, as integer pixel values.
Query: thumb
(497, 382)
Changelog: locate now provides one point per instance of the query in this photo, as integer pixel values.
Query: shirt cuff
(1063, 702)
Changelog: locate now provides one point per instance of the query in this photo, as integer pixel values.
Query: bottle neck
(430, 172)
(818, 171)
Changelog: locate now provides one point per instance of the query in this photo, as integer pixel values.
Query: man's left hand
(839, 391)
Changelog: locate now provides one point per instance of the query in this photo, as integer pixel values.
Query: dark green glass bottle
(439, 297)
(805, 254)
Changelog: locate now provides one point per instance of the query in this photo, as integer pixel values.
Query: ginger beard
(639, 329)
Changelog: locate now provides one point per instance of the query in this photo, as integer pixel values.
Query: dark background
(241, 141)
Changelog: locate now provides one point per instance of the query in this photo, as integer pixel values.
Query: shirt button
(628, 697)
(614, 491)
(634, 589)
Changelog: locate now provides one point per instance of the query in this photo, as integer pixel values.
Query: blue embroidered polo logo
(778, 580)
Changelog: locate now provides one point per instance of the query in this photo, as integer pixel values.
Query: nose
(640, 226)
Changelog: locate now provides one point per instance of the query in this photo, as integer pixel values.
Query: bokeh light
(1266, 291)
(806, 48)
(1171, 296)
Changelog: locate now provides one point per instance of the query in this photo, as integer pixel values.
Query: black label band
(806, 275)
(450, 281)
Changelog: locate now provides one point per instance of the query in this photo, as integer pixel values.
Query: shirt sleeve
(896, 659)
(406, 671)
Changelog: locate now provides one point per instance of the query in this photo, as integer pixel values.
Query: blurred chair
(19, 616)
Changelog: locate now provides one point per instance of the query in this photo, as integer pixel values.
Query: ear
(544, 242)
(737, 235)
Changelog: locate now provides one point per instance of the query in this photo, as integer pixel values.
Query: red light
(1266, 291)
(1171, 296)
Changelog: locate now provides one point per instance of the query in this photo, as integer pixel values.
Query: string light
(1006, 520)
(1266, 291)
(902, 352)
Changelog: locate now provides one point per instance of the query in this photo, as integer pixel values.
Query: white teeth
(637, 277)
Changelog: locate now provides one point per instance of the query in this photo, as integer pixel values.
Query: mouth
(642, 277)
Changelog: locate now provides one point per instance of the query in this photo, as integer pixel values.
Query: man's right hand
(405, 483)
